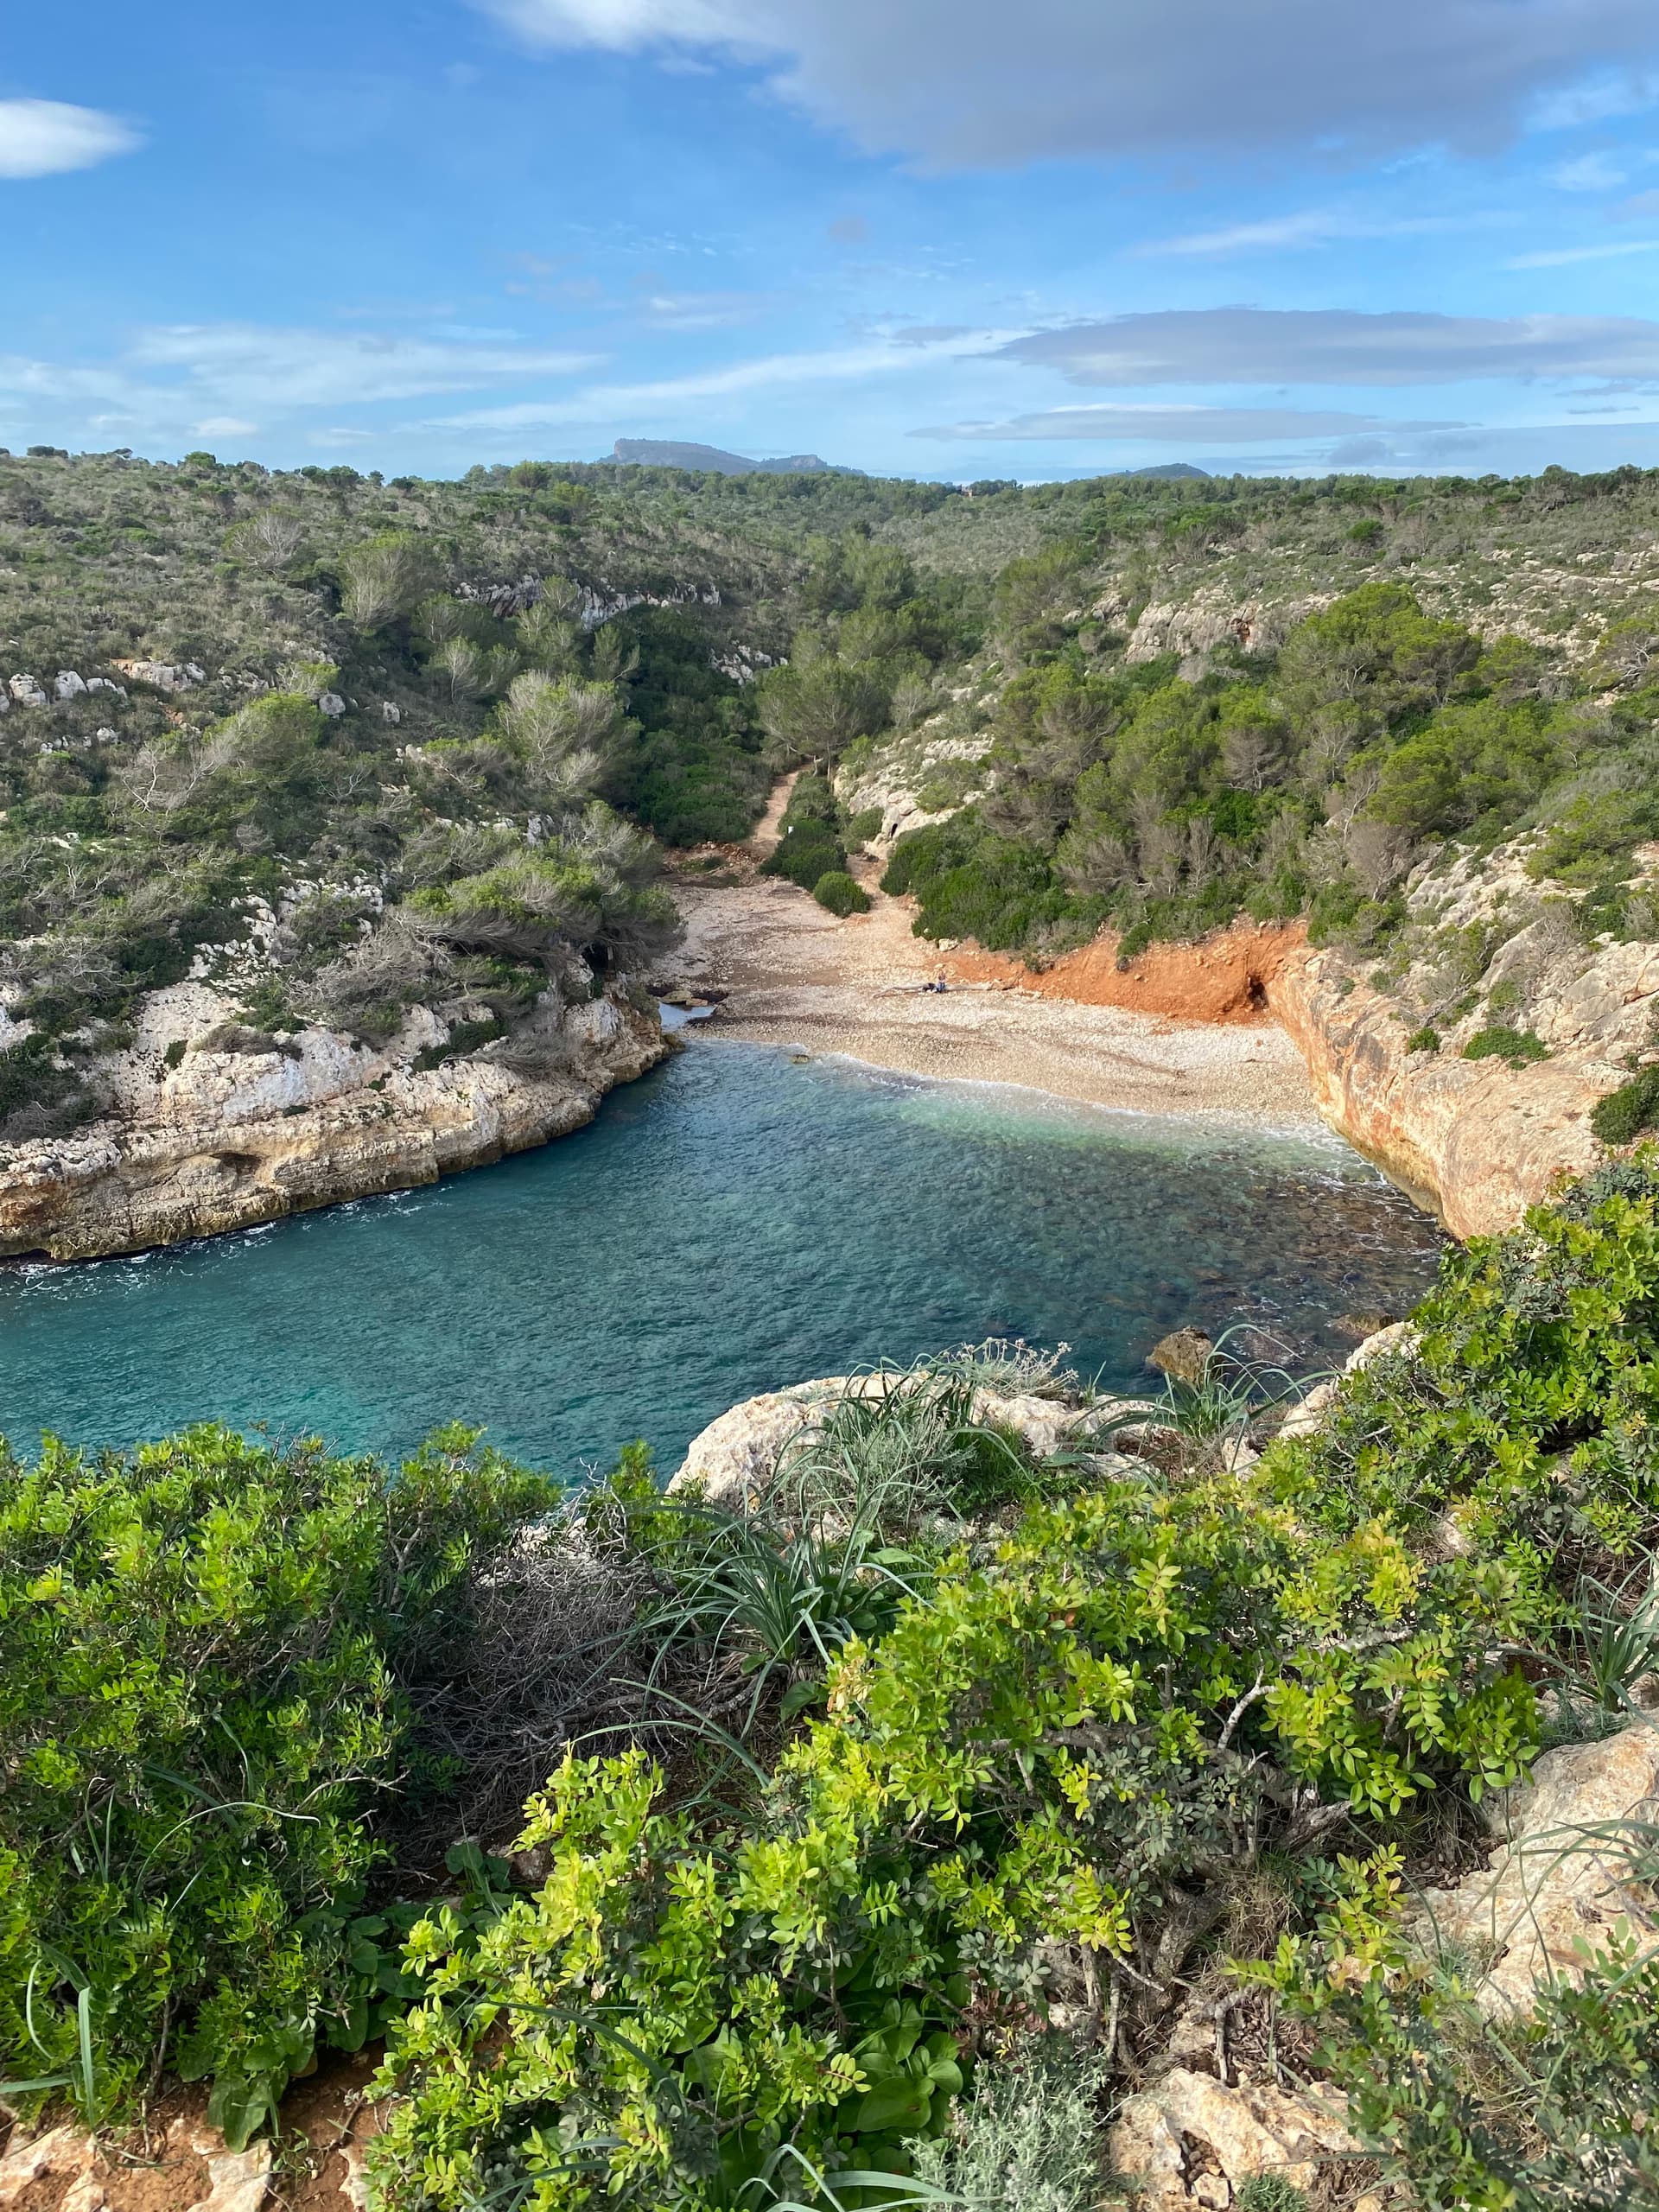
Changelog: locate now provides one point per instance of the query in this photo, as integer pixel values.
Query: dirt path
(793, 975)
(763, 839)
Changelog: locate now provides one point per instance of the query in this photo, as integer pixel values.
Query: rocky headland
(209, 1125)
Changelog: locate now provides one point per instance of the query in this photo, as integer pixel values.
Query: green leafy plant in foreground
(201, 1652)
(1138, 1692)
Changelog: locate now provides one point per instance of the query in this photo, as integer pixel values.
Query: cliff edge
(1467, 1063)
(210, 1126)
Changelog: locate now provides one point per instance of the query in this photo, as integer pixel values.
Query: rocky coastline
(211, 1126)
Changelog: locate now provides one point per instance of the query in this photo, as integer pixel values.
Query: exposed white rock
(391, 712)
(1213, 616)
(68, 685)
(196, 1139)
(1309, 1413)
(732, 1460)
(1192, 2140)
(161, 675)
(1562, 1884)
(71, 2160)
(27, 692)
(331, 703)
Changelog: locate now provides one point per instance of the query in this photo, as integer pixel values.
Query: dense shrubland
(914, 1798)
(1311, 780)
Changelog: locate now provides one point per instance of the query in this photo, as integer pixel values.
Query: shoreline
(793, 975)
(1314, 1132)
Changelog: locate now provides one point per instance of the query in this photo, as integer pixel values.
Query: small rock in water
(1183, 1354)
(1361, 1325)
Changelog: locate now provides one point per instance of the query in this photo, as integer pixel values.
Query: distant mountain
(1166, 471)
(677, 453)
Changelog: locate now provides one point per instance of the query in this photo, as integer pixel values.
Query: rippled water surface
(734, 1222)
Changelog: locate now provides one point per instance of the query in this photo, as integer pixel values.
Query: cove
(737, 1221)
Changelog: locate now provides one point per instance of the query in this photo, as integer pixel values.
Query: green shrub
(201, 1646)
(39, 1096)
(681, 2018)
(1624, 1115)
(1029, 2135)
(1518, 1048)
(465, 1036)
(838, 892)
(1423, 1040)
(1271, 2193)
(804, 855)
(864, 826)
(1549, 2112)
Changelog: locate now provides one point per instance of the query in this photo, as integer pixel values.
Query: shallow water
(735, 1222)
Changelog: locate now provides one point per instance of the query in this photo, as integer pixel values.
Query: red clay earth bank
(1223, 977)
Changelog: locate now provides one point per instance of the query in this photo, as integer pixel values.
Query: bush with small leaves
(203, 1649)
(838, 893)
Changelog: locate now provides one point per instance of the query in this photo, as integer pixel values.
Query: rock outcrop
(1476, 1142)
(191, 2169)
(1193, 2141)
(732, 1460)
(1491, 955)
(1562, 1883)
(213, 1126)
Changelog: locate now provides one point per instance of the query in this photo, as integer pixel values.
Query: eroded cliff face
(200, 1139)
(1475, 1140)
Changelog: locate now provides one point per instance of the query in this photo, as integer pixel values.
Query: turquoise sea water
(735, 1222)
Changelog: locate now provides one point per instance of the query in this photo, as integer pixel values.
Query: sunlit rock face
(211, 1126)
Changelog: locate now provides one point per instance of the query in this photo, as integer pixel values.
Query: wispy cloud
(251, 364)
(1563, 257)
(1339, 345)
(227, 380)
(1312, 226)
(1159, 425)
(1598, 100)
(1590, 173)
(735, 379)
(49, 137)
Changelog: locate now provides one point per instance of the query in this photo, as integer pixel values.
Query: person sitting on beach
(941, 985)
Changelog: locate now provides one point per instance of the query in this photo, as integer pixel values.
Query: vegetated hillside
(350, 747)
(1337, 701)
(683, 452)
(1168, 701)
(1001, 1787)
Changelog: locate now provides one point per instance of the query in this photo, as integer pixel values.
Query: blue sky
(943, 237)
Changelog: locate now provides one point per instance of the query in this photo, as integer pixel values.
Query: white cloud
(231, 380)
(1597, 99)
(1312, 226)
(46, 138)
(1590, 173)
(1181, 425)
(249, 365)
(969, 82)
(736, 380)
(1563, 257)
(1337, 345)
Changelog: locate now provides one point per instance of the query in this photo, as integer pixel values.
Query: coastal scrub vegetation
(267, 728)
(875, 1829)
(1164, 797)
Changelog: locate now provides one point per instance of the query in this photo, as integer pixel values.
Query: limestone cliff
(211, 1126)
(1477, 1140)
